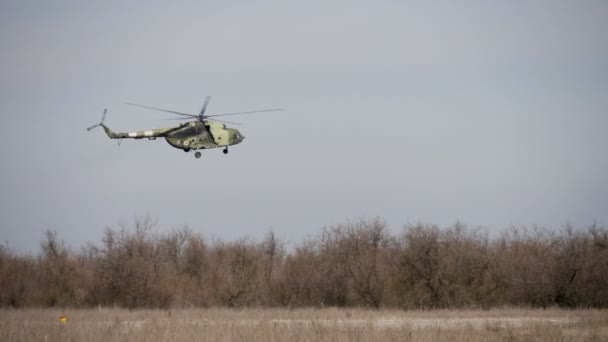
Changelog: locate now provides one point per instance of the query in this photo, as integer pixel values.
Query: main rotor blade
(228, 122)
(202, 113)
(205, 118)
(161, 110)
(251, 112)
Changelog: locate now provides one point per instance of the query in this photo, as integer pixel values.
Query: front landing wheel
(197, 155)
(225, 150)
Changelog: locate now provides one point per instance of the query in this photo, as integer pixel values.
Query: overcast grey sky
(489, 112)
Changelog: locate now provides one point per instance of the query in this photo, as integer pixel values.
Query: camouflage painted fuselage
(193, 135)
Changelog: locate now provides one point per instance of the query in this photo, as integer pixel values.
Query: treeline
(353, 264)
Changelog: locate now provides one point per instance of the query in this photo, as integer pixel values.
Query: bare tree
(368, 248)
(351, 264)
(59, 273)
(237, 267)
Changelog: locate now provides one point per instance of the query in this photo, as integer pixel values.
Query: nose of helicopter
(239, 137)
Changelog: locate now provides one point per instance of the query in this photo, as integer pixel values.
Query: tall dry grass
(302, 325)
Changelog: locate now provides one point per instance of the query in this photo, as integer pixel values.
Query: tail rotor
(103, 117)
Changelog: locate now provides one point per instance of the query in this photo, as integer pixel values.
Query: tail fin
(103, 117)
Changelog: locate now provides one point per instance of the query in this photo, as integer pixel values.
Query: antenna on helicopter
(103, 117)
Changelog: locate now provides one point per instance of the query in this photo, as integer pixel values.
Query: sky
(489, 113)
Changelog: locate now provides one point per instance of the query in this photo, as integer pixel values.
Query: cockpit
(238, 136)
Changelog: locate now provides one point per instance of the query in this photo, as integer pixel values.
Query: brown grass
(302, 325)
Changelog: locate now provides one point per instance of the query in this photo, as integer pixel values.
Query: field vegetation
(358, 264)
(333, 324)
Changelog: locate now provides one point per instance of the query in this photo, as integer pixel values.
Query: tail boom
(150, 134)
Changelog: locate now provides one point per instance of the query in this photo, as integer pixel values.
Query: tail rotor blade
(94, 126)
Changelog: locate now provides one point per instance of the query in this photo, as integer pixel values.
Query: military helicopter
(193, 136)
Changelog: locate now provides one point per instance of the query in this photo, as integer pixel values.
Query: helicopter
(193, 136)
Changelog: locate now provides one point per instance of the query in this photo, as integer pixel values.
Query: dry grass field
(302, 325)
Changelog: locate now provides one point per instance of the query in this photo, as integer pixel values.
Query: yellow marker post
(63, 319)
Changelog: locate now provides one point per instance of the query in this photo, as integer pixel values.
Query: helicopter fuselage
(196, 135)
(193, 135)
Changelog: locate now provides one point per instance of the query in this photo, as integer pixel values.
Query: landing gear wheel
(225, 150)
(197, 155)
